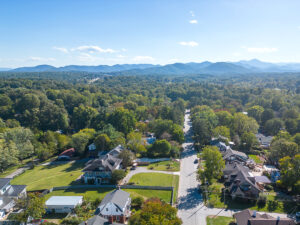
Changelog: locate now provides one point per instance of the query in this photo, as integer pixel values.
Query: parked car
(133, 168)
(196, 161)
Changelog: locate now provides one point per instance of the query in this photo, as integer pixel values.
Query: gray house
(115, 206)
(9, 194)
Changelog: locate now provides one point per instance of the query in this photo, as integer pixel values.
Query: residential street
(190, 205)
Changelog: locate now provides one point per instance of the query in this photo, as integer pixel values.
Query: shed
(63, 204)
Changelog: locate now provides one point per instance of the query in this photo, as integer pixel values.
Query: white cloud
(40, 59)
(64, 50)
(193, 21)
(143, 59)
(261, 50)
(92, 49)
(189, 43)
(121, 56)
(192, 13)
(124, 50)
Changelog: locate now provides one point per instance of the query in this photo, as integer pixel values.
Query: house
(273, 171)
(99, 171)
(8, 195)
(63, 204)
(240, 182)
(116, 151)
(92, 147)
(250, 217)
(98, 220)
(67, 154)
(264, 141)
(115, 206)
(231, 155)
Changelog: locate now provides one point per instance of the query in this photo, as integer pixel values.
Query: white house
(115, 206)
(8, 194)
(92, 147)
(63, 204)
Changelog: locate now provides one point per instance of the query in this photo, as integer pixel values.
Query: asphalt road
(190, 203)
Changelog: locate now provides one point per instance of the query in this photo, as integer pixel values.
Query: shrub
(117, 175)
(261, 201)
(137, 203)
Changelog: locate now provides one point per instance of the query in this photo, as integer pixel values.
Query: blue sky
(93, 32)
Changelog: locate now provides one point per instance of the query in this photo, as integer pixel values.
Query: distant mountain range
(241, 67)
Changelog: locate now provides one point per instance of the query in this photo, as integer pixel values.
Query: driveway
(143, 170)
(190, 205)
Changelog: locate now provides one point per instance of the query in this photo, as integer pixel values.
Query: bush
(269, 187)
(71, 221)
(261, 201)
(117, 175)
(137, 203)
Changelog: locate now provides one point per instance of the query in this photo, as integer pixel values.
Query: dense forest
(43, 114)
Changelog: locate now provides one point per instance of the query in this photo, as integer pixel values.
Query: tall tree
(155, 212)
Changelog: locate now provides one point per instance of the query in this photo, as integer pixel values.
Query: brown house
(250, 217)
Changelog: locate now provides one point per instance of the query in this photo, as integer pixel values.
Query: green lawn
(172, 166)
(255, 158)
(8, 171)
(45, 177)
(95, 193)
(219, 220)
(156, 179)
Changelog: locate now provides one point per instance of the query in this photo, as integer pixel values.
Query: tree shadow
(191, 200)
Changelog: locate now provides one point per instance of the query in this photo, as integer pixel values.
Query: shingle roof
(107, 162)
(98, 220)
(5, 201)
(64, 200)
(4, 182)
(14, 190)
(117, 197)
(250, 217)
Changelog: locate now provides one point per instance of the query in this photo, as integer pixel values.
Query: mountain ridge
(240, 67)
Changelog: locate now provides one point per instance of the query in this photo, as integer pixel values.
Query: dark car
(133, 168)
(196, 161)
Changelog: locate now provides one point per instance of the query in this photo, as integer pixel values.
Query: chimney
(110, 219)
(254, 214)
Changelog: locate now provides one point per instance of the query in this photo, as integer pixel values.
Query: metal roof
(64, 200)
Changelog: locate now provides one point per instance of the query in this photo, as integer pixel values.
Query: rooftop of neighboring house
(69, 152)
(12, 190)
(116, 151)
(250, 217)
(118, 197)
(98, 220)
(4, 182)
(229, 152)
(4, 201)
(264, 140)
(64, 200)
(105, 162)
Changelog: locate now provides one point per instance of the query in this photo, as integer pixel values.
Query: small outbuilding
(63, 204)
(67, 154)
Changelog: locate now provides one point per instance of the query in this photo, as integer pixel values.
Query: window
(106, 209)
(116, 210)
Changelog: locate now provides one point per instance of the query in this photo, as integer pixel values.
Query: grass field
(172, 166)
(219, 220)
(255, 158)
(156, 179)
(45, 177)
(95, 193)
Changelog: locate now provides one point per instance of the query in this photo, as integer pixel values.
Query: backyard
(172, 166)
(45, 177)
(99, 193)
(156, 179)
